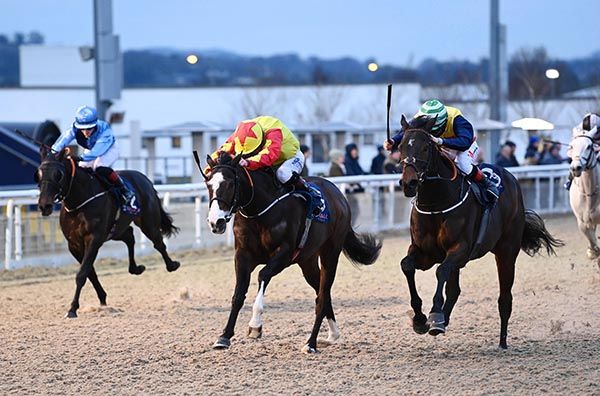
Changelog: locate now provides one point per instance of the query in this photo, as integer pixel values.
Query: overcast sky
(391, 31)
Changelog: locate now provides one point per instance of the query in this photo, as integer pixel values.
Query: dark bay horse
(444, 227)
(90, 216)
(268, 231)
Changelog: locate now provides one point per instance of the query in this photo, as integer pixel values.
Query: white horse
(584, 194)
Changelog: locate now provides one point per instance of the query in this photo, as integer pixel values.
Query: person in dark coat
(377, 162)
(353, 168)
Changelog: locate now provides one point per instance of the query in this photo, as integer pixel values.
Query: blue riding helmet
(86, 117)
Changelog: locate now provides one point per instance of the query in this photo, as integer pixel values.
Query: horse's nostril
(220, 222)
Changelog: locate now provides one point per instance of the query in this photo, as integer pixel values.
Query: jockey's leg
(464, 162)
(103, 167)
(289, 174)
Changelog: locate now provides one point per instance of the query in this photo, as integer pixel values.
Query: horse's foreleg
(274, 266)
(91, 251)
(78, 254)
(589, 230)
(242, 280)
(452, 293)
(419, 321)
(455, 259)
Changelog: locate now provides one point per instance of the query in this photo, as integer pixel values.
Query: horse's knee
(407, 264)
(237, 301)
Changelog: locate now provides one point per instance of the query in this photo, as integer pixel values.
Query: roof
(187, 128)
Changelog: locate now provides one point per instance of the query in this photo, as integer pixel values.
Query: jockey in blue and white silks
(100, 151)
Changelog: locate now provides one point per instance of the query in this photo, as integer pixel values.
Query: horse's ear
(63, 153)
(44, 150)
(211, 162)
(404, 123)
(594, 134)
(430, 123)
(236, 159)
(36, 176)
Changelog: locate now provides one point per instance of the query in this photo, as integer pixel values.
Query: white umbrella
(533, 124)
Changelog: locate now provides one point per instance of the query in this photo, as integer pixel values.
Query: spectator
(306, 151)
(513, 148)
(532, 154)
(353, 168)
(390, 165)
(504, 157)
(552, 157)
(336, 168)
(378, 160)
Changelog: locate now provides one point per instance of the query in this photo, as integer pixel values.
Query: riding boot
(128, 197)
(301, 185)
(569, 181)
(479, 177)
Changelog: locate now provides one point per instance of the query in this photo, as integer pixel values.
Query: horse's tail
(361, 248)
(536, 236)
(167, 228)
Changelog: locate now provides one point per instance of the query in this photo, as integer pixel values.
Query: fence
(30, 239)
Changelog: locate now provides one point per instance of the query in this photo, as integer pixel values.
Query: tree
(527, 81)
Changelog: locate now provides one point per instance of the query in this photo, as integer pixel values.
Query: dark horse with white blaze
(90, 216)
(444, 228)
(268, 231)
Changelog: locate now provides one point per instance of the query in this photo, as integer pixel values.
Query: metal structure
(498, 79)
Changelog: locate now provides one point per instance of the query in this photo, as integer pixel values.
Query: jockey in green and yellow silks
(452, 131)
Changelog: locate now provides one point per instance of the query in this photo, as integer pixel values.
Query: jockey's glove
(437, 140)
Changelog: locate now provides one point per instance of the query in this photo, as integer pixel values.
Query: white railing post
(376, 199)
(198, 220)
(166, 201)
(392, 205)
(9, 233)
(538, 205)
(18, 234)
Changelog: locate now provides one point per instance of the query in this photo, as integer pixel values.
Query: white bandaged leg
(257, 310)
(287, 169)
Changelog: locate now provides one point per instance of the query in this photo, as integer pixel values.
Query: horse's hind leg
(408, 265)
(452, 293)
(310, 270)
(329, 262)
(152, 231)
(129, 239)
(505, 262)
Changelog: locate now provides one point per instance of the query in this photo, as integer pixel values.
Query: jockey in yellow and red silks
(281, 148)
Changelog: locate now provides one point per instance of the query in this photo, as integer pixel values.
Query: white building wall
(54, 66)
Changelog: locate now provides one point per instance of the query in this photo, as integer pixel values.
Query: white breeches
(107, 159)
(466, 159)
(287, 168)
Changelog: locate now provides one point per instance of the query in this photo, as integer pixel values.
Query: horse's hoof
(593, 253)
(332, 339)
(71, 315)
(222, 343)
(420, 328)
(173, 266)
(503, 345)
(436, 323)
(137, 270)
(308, 349)
(254, 332)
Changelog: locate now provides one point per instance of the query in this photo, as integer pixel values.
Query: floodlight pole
(498, 79)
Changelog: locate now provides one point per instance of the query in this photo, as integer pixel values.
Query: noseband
(234, 205)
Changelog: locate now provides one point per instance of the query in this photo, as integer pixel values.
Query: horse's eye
(58, 176)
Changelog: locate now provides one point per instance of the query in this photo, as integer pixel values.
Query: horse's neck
(438, 192)
(83, 187)
(589, 182)
(265, 192)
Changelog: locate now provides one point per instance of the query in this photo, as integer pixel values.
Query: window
(176, 142)
(321, 146)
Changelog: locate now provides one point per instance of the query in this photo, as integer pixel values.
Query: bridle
(422, 175)
(585, 160)
(234, 205)
(61, 195)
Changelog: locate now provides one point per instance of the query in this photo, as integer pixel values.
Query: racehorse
(90, 216)
(268, 228)
(584, 194)
(444, 228)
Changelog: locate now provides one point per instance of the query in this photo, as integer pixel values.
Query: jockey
(589, 122)
(100, 151)
(453, 132)
(281, 148)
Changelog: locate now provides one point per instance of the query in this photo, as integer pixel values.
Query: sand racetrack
(155, 336)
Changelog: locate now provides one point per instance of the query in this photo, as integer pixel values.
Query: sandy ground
(156, 334)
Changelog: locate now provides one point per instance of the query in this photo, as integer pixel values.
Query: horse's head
(223, 182)
(416, 149)
(583, 150)
(52, 179)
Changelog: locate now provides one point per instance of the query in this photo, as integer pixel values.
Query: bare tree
(528, 85)
(323, 102)
(255, 102)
